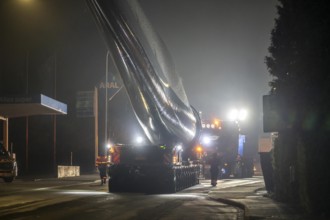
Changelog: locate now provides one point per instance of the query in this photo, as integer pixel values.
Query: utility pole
(54, 116)
(27, 117)
(106, 102)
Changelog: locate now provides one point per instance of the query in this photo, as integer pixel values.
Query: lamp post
(27, 117)
(106, 98)
(237, 116)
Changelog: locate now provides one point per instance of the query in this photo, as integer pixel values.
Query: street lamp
(237, 114)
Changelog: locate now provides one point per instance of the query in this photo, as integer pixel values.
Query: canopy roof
(20, 106)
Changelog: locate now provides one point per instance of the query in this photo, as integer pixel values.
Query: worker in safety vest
(102, 164)
(215, 168)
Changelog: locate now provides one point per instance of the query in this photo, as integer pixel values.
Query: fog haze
(218, 48)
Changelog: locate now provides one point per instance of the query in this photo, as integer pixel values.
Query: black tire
(113, 185)
(8, 179)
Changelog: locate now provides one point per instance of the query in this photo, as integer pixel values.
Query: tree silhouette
(299, 62)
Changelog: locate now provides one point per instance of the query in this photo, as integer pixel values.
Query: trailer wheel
(8, 179)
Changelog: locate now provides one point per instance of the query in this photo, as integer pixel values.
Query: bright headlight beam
(139, 139)
(206, 140)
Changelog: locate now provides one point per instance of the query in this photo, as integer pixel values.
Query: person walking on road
(214, 168)
(102, 165)
(238, 169)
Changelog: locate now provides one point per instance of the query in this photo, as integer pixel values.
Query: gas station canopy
(21, 106)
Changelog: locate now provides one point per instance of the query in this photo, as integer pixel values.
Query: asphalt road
(56, 199)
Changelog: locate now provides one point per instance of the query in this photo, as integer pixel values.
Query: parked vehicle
(8, 165)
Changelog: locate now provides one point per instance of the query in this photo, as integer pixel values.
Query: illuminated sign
(109, 85)
(8, 99)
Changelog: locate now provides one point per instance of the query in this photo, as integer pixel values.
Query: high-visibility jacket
(102, 160)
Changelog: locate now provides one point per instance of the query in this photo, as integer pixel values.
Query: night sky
(218, 48)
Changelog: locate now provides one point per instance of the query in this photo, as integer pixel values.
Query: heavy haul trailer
(157, 98)
(149, 169)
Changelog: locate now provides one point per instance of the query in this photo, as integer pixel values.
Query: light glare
(242, 115)
(179, 147)
(237, 115)
(206, 140)
(233, 114)
(139, 139)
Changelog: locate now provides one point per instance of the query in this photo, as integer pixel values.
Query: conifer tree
(299, 62)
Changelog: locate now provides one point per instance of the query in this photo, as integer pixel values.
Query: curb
(234, 204)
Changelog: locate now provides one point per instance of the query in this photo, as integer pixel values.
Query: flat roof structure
(21, 106)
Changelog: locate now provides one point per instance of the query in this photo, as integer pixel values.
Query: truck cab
(224, 138)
